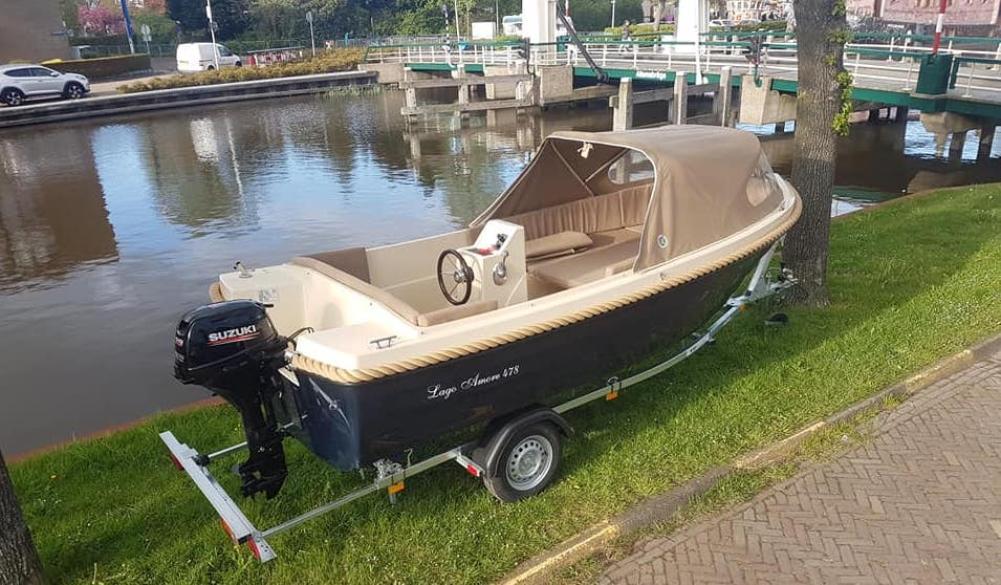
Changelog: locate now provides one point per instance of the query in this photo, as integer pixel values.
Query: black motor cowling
(232, 349)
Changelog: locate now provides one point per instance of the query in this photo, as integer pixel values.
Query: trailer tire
(527, 463)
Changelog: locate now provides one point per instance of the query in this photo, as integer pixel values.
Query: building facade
(957, 13)
(31, 30)
(962, 16)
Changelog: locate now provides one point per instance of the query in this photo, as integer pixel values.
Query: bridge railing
(881, 66)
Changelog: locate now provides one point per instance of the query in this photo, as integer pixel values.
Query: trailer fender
(490, 449)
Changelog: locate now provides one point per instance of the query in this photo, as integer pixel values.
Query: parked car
(23, 82)
(193, 57)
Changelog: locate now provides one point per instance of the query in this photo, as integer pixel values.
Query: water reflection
(52, 215)
(110, 229)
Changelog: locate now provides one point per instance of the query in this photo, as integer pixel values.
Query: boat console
(497, 260)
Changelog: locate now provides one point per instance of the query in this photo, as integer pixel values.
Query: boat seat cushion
(557, 245)
(601, 213)
(588, 266)
(453, 313)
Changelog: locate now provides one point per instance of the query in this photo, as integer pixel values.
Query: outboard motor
(232, 349)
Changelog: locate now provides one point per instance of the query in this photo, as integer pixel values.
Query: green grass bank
(911, 281)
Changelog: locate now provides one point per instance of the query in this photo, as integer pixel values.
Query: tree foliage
(231, 16)
(333, 19)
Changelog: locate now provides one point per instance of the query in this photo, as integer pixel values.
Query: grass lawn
(911, 282)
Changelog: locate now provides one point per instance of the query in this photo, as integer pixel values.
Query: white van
(512, 25)
(198, 57)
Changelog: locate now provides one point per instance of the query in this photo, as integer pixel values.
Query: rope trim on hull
(343, 376)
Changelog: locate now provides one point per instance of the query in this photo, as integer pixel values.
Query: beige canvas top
(708, 183)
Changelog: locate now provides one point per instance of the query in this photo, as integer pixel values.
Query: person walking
(626, 36)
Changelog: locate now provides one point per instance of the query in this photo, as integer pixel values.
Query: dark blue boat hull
(352, 425)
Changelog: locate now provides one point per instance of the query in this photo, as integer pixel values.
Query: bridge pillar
(900, 117)
(679, 104)
(723, 102)
(692, 20)
(986, 142)
(945, 124)
(761, 105)
(622, 114)
(463, 98)
(538, 20)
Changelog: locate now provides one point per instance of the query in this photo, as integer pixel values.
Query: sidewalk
(919, 503)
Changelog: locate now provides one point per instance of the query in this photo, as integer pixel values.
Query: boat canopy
(706, 183)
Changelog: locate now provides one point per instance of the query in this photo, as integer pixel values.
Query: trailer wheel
(528, 463)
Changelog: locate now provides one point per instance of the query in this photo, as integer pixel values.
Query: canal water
(110, 229)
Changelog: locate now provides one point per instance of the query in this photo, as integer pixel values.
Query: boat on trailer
(608, 246)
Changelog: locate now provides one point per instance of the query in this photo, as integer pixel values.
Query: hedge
(327, 62)
(105, 66)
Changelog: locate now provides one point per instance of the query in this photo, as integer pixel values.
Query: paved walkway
(920, 503)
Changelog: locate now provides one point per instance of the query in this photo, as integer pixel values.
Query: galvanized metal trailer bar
(391, 475)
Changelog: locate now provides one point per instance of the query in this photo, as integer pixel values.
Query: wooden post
(900, 117)
(986, 142)
(956, 145)
(680, 102)
(410, 94)
(463, 89)
(415, 147)
(723, 104)
(622, 114)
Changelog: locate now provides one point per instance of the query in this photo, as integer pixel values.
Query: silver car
(21, 82)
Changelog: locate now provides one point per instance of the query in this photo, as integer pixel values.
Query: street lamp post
(128, 26)
(312, 38)
(613, 13)
(215, 48)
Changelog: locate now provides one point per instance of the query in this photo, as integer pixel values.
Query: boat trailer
(391, 475)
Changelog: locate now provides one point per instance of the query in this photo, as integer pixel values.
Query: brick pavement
(919, 503)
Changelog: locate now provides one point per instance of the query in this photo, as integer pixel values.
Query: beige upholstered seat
(557, 245)
(613, 211)
(589, 266)
(453, 313)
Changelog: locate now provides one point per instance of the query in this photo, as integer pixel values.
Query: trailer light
(229, 531)
(176, 462)
(612, 395)
(253, 548)
(395, 488)
(473, 470)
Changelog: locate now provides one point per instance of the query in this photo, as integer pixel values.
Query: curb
(662, 507)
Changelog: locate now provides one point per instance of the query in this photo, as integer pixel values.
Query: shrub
(104, 66)
(327, 62)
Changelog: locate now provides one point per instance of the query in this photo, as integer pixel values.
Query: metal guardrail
(889, 66)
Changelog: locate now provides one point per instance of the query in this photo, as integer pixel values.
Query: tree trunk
(820, 29)
(19, 564)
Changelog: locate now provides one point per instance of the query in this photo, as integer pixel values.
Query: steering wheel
(455, 277)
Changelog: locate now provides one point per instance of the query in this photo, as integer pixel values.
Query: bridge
(887, 70)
